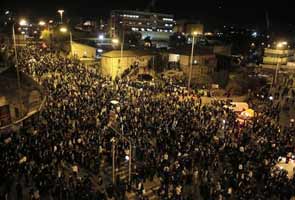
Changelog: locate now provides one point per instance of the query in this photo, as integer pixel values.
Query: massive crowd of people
(196, 151)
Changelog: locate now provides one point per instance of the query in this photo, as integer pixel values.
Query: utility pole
(277, 69)
(191, 63)
(113, 160)
(71, 44)
(17, 71)
(130, 155)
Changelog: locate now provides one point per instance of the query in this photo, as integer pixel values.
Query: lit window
(168, 19)
(142, 29)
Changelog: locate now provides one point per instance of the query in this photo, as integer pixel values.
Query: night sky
(250, 12)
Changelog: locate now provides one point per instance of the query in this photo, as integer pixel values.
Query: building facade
(188, 27)
(275, 56)
(82, 51)
(113, 64)
(157, 26)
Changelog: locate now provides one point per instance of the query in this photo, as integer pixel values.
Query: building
(188, 27)
(157, 26)
(83, 51)
(204, 64)
(13, 108)
(113, 65)
(275, 56)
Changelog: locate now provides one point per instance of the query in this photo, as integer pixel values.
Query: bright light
(35, 32)
(208, 34)
(23, 32)
(42, 23)
(196, 33)
(127, 158)
(271, 98)
(281, 44)
(115, 41)
(23, 22)
(63, 29)
(101, 37)
(60, 12)
(254, 34)
(50, 21)
(7, 12)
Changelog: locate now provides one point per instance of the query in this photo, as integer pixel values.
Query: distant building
(87, 25)
(188, 27)
(112, 65)
(274, 56)
(157, 26)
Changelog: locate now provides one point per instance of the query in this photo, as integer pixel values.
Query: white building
(275, 56)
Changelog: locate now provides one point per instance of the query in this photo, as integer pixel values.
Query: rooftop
(127, 53)
(141, 13)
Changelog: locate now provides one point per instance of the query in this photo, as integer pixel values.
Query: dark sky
(249, 12)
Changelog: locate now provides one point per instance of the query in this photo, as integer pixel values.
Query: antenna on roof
(151, 6)
(267, 20)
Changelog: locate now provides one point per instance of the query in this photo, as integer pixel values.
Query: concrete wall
(209, 60)
(83, 51)
(114, 67)
(278, 52)
(222, 49)
(275, 60)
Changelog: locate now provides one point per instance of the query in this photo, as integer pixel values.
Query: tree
(133, 38)
(177, 40)
(221, 78)
(147, 41)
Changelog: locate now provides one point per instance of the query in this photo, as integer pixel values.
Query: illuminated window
(168, 19)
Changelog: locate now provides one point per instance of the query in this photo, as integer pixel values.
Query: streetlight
(115, 41)
(23, 22)
(129, 156)
(16, 65)
(61, 14)
(65, 30)
(280, 45)
(42, 23)
(101, 37)
(191, 60)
